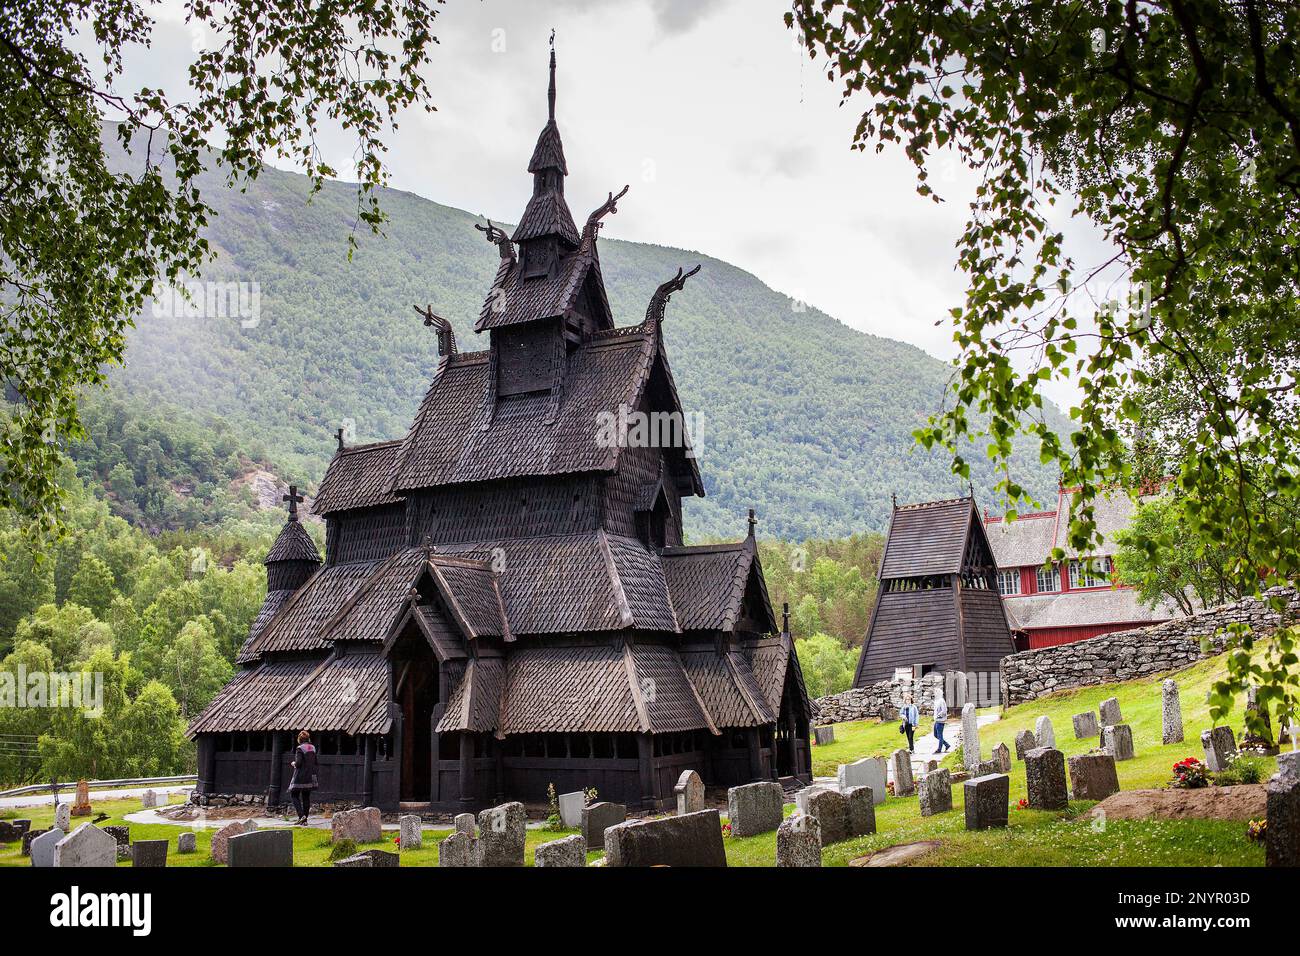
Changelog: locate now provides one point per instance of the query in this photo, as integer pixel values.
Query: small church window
(1049, 580)
(1095, 576)
(1009, 581)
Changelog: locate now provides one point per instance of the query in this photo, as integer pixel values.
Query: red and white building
(1073, 600)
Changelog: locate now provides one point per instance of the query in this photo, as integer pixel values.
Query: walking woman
(304, 776)
(940, 718)
(910, 719)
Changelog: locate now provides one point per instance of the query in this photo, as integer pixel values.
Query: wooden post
(207, 747)
(645, 752)
(755, 754)
(499, 752)
(466, 770)
(368, 774)
(273, 788)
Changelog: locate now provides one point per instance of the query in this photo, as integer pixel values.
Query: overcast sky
(733, 141)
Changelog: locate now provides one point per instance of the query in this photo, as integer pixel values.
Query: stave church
(505, 601)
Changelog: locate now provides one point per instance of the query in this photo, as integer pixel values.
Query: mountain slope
(794, 413)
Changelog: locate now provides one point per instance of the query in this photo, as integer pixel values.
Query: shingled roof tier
(357, 477)
(708, 584)
(292, 544)
(928, 538)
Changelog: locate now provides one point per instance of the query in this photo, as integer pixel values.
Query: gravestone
(1171, 713)
(466, 823)
(1117, 740)
(1093, 776)
(571, 805)
(1025, 742)
(986, 801)
(359, 826)
(935, 792)
(149, 800)
(28, 837)
(1110, 712)
(121, 833)
(9, 833)
(1045, 779)
(824, 734)
(382, 859)
(870, 772)
(901, 763)
(755, 808)
(689, 792)
(694, 839)
(799, 841)
(123, 853)
(1282, 838)
(1253, 707)
(149, 853)
(832, 812)
(260, 848)
(22, 826)
(81, 806)
(359, 862)
(1085, 725)
(1220, 748)
(570, 851)
(802, 797)
(457, 850)
(598, 818)
(1044, 732)
(410, 831)
(987, 767)
(1002, 758)
(63, 816)
(221, 839)
(970, 738)
(187, 842)
(42, 848)
(862, 811)
(87, 845)
(501, 833)
(960, 688)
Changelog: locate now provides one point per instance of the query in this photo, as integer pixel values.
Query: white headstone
(970, 738)
(87, 845)
(571, 805)
(63, 817)
(149, 799)
(1044, 733)
(689, 792)
(870, 772)
(42, 848)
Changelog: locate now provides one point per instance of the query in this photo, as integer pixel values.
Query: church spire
(546, 229)
(550, 90)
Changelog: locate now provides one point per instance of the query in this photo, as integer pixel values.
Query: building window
(1049, 580)
(1009, 581)
(1082, 575)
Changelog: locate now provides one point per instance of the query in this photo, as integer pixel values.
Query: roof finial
(785, 617)
(753, 522)
(894, 498)
(550, 91)
(293, 498)
(970, 486)
(338, 437)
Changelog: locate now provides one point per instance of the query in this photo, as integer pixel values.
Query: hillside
(797, 415)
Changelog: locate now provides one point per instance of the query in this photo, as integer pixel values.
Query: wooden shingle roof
(292, 544)
(708, 584)
(726, 687)
(927, 538)
(357, 477)
(299, 623)
(568, 690)
(475, 702)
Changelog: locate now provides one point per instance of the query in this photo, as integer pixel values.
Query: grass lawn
(1032, 838)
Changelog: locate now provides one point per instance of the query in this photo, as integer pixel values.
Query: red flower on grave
(1023, 804)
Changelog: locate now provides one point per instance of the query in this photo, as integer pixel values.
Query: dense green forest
(799, 416)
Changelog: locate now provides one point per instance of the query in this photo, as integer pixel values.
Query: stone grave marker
(42, 848)
(187, 842)
(81, 806)
(1253, 707)
(936, 792)
(599, 817)
(689, 792)
(28, 837)
(755, 808)
(1220, 747)
(221, 839)
(149, 853)
(121, 833)
(1110, 712)
(1045, 779)
(260, 848)
(799, 841)
(1117, 740)
(970, 738)
(1002, 758)
(1044, 732)
(862, 811)
(1025, 742)
(986, 801)
(87, 845)
(63, 816)
(569, 851)
(1093, 776)
(1282, 839)
(571, 805)
(694, 839)
(832, 812)
(1085, 725)
(901, 763)
(1171, 713)
(149, 800)
(870, 772)
(359, 826)
(501, 833)
(382, 859)
(825, 734)
(456, 850)
(410, 831)
(466, 823)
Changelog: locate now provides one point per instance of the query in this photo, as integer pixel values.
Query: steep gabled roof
(726, 687)
(927, 538)
(515, 299)
(1025, 541)
(292, 544)
(298, 624)
(357, 477)
(708, 584)
(475, 702)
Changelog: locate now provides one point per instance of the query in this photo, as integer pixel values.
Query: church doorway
(417, 694)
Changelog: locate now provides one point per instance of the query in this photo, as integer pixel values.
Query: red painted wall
(1055, 636)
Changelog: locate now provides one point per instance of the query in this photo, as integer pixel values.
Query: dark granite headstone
(120, 833)
(28, 837)
(1045, 779)
(986, 801)
(149, 853)
(261, 848)
(599, 817)
(1282, 838)
(1093, 776)
(9, 833)
(694, 839)
(832, 812)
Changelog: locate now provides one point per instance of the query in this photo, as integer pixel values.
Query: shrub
(1241, 769)
(1190, 774)
(343, 849)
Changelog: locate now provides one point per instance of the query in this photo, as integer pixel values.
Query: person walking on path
(305, 777)
(911, 717)
(940, 718)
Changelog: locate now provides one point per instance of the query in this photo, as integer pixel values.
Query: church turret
(293, 558)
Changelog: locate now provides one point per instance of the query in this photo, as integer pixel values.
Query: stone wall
(1125, 655)
(879, 701)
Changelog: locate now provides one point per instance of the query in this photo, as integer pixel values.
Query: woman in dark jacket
(304, 777)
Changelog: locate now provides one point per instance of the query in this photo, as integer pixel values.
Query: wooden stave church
(506, 603)
(938, 608)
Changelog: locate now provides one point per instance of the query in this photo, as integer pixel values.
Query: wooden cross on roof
(753, 522)
(293, 498)
(338, 437)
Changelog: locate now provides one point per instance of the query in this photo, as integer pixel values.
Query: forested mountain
(794, 413)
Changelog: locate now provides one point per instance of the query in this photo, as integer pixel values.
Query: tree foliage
(1173, 126)
(85, 247)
